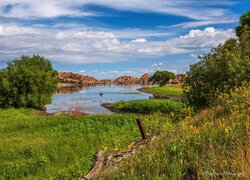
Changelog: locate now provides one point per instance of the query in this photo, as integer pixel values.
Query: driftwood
(102, 165)
(97, 167)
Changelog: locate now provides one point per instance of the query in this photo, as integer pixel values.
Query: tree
(244, 24)
(162, 77)
(222, 69)
(27, 82)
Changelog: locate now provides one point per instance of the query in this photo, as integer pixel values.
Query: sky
(110, 38)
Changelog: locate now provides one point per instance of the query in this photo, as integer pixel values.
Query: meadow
(63, 147)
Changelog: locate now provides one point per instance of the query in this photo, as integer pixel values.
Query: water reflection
(89, 99)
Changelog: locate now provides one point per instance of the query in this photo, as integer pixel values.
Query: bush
(27, 82)
(224, 68)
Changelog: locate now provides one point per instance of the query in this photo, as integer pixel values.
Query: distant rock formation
(131, 80)
(79, 80)
(144, 80)
(179, 78)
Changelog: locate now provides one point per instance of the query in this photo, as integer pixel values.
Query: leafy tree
(162, 77)
(244, 24)
(222, 69)
(27, 82)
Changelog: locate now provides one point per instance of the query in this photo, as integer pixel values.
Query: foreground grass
(214, 144)
(63, 147)
(173, 90)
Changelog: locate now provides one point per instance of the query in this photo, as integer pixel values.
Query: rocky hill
(77, 79)
(131, 80)
(69, 79)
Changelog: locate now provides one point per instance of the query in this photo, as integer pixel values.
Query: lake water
(89, 99)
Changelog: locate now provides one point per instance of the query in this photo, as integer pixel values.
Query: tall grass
(213, 144)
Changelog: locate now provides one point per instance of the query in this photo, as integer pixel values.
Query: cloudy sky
(110, 38)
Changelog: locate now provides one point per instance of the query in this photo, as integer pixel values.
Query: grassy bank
(34, 146)
(174, 108)
(214, 144)
(173, 90)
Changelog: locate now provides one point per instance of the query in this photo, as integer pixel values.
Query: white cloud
(194, 55)
(55, 8)
(82, 71)
(202, 23)
(157, 64)
(86, 46)
(141, 40)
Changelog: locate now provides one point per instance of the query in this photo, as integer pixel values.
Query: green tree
(244, 24)
(28, 82)
(222, 69)
(225, 67)
(162, 77)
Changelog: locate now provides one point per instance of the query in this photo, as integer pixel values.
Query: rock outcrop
(131, 80)
(73, 78)
(179, 78)
(144, 80)
(69, 79)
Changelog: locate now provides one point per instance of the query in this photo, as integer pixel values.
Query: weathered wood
(97, 167)
(143, 134)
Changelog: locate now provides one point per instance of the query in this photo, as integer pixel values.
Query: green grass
(214, 142)
(34, 146)
(150, 106)
(174, 90)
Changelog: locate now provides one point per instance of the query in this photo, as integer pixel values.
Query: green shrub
(27, 82)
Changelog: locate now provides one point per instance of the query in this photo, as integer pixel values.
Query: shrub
(27, 82)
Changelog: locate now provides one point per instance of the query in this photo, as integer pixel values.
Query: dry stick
(143, 134)
(97, 167)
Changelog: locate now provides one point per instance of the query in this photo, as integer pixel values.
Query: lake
(89, 99)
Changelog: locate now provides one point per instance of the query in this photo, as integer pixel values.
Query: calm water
(89, 99)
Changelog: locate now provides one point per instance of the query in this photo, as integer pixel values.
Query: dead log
(97, 167)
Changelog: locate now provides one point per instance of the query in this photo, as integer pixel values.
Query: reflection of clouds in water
(90, 101)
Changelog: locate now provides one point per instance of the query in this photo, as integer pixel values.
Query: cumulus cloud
(55, 8)
(84, 47)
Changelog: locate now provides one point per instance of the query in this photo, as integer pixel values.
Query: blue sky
(110, 38)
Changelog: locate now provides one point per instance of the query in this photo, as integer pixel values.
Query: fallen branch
(97, 167)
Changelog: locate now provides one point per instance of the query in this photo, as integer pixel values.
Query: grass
(173, 90)
(63, 147)
(150, 106)
(214, 144)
